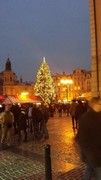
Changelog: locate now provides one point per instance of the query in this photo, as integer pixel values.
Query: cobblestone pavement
(25, 161)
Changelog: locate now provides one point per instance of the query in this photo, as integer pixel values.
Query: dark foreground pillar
(48, 170)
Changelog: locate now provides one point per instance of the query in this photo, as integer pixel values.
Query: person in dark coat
(51, 110)
(88, 139)
(22, 126)
(72, 111)
(45, 115)
(15, 109)
(37, 117)
(79, 111)
(30, 118)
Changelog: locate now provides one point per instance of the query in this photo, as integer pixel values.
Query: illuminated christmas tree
(44, 84)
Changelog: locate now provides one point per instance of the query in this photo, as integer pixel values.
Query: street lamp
(66, 83)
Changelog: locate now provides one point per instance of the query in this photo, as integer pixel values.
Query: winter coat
(73, 109)
(22, 123)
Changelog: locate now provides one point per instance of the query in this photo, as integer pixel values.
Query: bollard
(48, 171)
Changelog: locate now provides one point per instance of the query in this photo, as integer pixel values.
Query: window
(10, 78)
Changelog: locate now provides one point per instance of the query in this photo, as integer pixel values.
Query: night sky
(56, 29)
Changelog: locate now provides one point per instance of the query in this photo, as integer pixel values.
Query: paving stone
(74, 174)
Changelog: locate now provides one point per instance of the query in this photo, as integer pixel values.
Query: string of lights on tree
(44, 84)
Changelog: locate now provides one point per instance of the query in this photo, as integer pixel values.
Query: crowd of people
(32, 119)
(23, 120)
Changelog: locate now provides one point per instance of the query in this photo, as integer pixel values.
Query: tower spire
(8, 65)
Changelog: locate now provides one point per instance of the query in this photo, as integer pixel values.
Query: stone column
(95, 30)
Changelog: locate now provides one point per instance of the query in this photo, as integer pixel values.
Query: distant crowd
(32, 119)
(22, 120)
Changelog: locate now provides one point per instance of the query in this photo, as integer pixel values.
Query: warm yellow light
(64, 89)
(24, 96)
(66, 81)
(24, 93)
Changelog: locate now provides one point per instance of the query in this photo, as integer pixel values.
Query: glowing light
(24, 93)
(59, 101)
(64, 89)
(65, 100)
(66, 81)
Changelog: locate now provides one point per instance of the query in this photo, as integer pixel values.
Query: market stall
(19, 99)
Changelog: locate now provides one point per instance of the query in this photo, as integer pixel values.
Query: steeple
(8, 65)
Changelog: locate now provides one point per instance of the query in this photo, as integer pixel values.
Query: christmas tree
(44, 84)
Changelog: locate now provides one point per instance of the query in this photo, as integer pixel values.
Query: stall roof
(19, 99)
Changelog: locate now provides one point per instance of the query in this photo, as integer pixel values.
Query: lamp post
(66, 83)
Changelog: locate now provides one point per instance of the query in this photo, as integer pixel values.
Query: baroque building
(9, 77)
(9, 85)
(74, 86)
(81, 83)
(63, 87)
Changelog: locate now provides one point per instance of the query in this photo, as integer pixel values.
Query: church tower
(8, 65)
(9, 77)
(95, 30)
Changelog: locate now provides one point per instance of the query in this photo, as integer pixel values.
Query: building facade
(81, 83)
(95, 29)
(73, 86)
(63, 87)
(9, 85)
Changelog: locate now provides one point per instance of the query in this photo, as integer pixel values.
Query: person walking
(79, 111)
(7, 120)
(88, 139)
(43, 126)
(72, 113)
(15, 109)
(22, 125)
(30, 118)
(37, 117)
